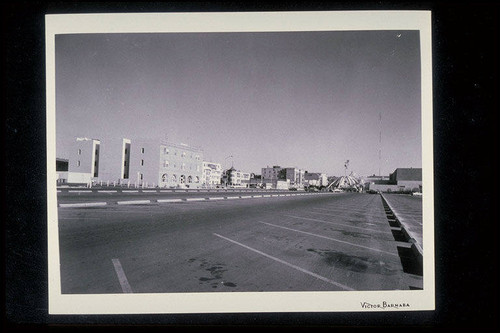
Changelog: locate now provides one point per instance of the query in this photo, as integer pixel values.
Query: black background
(465, 93)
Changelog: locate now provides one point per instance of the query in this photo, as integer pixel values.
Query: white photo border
(241, 302)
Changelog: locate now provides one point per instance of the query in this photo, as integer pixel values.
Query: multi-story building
(237, 178)
(165, 164)
(212, 174)
(271, 174)
(84, 158)
(295, 176)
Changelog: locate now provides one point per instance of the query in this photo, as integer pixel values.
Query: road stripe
(149, 191)
(134, 202)
(232, 198)
(216, 198)
(169, 200)
(121, 276)
(84, 204)
(107, 191)
(329, 238)
(335, 223)
(78, 191)
(195, 199)
(130, 191)
(322, 278)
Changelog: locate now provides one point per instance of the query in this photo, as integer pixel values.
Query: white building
(212, 174)
(84, 157)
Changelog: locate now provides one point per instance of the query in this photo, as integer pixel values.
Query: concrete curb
(415, 247)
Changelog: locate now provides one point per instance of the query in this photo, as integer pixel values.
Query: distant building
(269, 174)
(62, 166)
(237, 178)
(212, 174)
(83, 166)
(295, 176)
(165, 164)
(315, 179)
(401, 180)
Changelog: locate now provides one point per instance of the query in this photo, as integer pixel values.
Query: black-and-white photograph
(259, 165)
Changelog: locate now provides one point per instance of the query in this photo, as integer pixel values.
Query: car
(293, 189)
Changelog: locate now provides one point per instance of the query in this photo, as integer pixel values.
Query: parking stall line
(335, 223)
(121, 276)
(329, 238)
(322, 278)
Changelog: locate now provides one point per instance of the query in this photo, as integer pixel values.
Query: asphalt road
(297, 243)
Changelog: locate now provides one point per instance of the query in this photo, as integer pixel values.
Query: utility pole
(380, 143)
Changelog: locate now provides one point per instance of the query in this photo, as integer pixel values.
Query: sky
(310, 100)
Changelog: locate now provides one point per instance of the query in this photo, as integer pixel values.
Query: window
(126, 151)
(79, 151)
(164, 178)
(142, 162)
(142, 150)
(190, 179)
(77, 163)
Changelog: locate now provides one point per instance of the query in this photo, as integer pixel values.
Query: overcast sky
(305, 99)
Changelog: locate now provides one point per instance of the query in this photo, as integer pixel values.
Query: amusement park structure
(349, 182)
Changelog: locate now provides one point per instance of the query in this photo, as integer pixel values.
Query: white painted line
(165, 190)
(79, 191)
(121, 276)
(107, 191)
(84, 204)
(322, 278)
(135, 202)
(246, 196)
(266, 196)
(216, 198)
(335, 223)
(232, 197)
(329, 238)
(79, 218)
(195, 199)
(130, 191)
(169, 200)
(149, 191)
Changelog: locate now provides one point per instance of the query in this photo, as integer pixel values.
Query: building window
(197, 179)
(79, 151)
(142, 162)
(78, 163)
(126, 151)
(164, 178)
(190, 179)
(142, 150)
